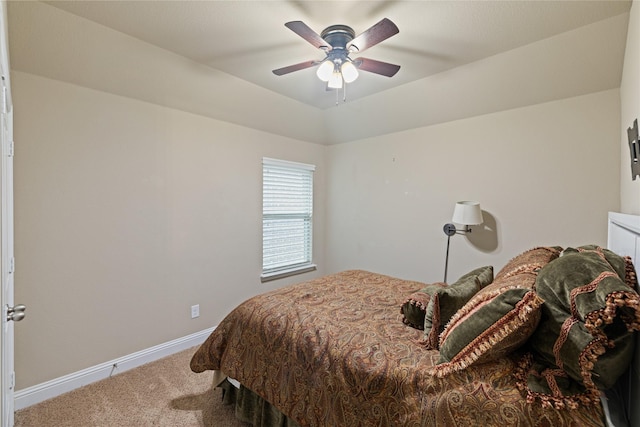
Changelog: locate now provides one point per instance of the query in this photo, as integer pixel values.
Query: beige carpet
(164, 393)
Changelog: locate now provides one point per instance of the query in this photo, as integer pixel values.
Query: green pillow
(621, 264)
(586, 330)
(586, 285)
(553, 387)
(413, 309)
(446, 301)
(484, 275)
(591, 360)
(495, 322)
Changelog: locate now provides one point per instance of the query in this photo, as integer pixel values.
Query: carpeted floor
(164, 393)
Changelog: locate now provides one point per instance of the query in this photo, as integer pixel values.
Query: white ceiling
(533, 43)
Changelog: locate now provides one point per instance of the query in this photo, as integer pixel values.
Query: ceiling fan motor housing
(338, 36)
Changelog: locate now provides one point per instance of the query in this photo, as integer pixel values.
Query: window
(287, 213)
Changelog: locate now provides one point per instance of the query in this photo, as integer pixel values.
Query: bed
(535, 344)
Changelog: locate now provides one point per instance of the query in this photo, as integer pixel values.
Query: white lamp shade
(349, 72)
(335, 82)
(467, 213)
(325, 70)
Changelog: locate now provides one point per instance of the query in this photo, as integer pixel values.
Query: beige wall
(630, 110)
(544, 175)
(127, 214)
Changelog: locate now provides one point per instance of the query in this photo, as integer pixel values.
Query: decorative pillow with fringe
(594, 361)
(621, 264)
(586, 331)
(484, 275)
(446, 301)
(551, 386)
(414, 307)
(496, 321)
(444, 304)
(538, 256)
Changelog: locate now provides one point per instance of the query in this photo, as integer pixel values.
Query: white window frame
(280, 181)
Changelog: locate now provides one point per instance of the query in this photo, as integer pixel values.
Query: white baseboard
(41, 392)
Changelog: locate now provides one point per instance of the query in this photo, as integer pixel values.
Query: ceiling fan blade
(374, 35)
(295, 67)
(378, 67)
(303, 30)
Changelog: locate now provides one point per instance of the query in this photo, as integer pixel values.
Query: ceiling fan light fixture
(325, 70)
(349, 72)
(335, 82)
(337, 42)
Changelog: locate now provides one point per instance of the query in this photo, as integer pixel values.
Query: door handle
(16, 313)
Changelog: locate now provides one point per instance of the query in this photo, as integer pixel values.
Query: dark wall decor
(634, 148)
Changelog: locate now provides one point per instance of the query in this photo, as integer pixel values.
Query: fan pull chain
(344, 94)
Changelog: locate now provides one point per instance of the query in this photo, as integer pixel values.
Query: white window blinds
(287, 213)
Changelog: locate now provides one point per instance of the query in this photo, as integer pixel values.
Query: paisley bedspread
(334, 352)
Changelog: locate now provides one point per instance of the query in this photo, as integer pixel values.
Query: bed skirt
(251, 408)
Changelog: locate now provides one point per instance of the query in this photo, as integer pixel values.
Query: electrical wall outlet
(195, 311)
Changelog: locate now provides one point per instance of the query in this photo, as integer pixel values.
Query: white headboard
(624, 239)
(624, 235)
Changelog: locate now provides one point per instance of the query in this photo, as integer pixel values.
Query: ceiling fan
(338, 42)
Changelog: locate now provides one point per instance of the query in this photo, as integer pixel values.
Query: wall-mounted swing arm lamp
(465, 213)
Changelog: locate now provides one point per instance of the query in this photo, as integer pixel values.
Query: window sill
(267, 277)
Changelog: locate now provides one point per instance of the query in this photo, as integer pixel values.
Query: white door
(7, 261)
(7, 312)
